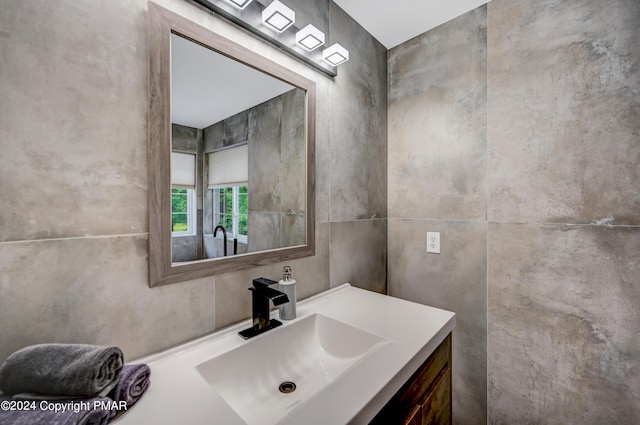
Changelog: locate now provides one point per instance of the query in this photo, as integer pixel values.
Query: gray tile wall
(437, 182)
(538, 215)
(73, 131)
(358, 136)
(564, 147)
(563, 324)
(357, 159)
(275, 133)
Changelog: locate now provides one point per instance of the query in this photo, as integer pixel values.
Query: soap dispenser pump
(288, 286)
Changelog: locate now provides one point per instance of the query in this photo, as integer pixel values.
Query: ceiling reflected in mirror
(205, 85)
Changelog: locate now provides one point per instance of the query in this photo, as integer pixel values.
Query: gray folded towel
(133, 382)
(74, 370)
(78, 412)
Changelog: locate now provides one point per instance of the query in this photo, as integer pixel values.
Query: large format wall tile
(265, 231)
(94, 290)
(265, 134)
(454, 280)
(564, 111)
(437, 122)
(437, 170)
(73, 124)
(323, 150)
(562, 121)
(358, 135)
(293, 157)
(563, 343)
(359, 254)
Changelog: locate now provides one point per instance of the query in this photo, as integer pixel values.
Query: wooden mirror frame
(162, 23)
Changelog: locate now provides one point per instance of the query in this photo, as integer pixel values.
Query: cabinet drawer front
(414, 391)
(436, 409)
(416, 416)
(431, 381)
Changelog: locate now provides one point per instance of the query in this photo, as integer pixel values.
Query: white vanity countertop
(178, 394)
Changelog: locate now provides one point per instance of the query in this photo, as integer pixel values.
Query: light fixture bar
(335, 55)
(240, 4)
(310, 38)
(278, 17)
(250, 17)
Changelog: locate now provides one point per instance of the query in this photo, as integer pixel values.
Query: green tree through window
(232, 211)
(181, 210)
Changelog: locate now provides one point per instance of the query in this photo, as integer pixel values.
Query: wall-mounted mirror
(231, 155)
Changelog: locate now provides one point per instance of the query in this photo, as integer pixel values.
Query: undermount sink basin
(310, 353)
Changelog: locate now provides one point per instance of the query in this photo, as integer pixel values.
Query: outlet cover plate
(433, 242)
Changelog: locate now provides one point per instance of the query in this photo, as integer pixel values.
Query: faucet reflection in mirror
(279, 21)
(224, 236)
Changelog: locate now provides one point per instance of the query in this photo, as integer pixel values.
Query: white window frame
(191, 213)
(235, 213)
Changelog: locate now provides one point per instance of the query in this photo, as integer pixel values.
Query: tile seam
(123, 235)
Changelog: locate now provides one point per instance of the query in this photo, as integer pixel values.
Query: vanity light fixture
(240, 4)
(335, 55)
(278, 17)
(270, 23)
(310, 38)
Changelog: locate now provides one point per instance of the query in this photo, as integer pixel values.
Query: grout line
(528, 223)
(125, 235)
(487, 202)
(356, 220)
(435, 219)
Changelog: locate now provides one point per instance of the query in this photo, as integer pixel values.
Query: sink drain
(287, 387)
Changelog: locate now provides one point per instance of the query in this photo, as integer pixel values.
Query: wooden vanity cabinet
(425, 399)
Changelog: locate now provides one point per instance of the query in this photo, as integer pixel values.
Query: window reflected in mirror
(183, 208)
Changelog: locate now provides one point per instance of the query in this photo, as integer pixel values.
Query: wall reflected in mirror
(238, 161)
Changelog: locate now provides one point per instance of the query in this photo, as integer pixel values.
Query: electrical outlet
(433, 242)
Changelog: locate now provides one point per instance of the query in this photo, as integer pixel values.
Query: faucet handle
(261, 286)
(262, 282)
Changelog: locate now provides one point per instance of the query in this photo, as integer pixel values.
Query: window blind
(229, 167)
(183, 170)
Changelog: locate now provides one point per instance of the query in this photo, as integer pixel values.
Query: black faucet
(261, 293)
(224, 237)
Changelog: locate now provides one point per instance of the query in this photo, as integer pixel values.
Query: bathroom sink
(270, 376)
(348, 352)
